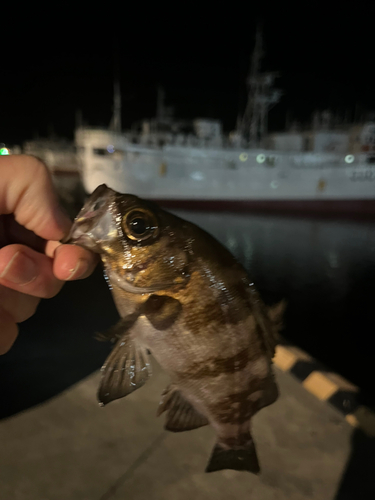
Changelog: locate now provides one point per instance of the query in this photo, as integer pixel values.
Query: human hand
(33, 263)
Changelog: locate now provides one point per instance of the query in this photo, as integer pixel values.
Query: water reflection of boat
(329, 167)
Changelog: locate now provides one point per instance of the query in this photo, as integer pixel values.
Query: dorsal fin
(268, 320)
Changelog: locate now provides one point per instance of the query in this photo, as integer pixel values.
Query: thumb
(27, 191)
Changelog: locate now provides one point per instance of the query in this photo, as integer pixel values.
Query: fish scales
(183, 296)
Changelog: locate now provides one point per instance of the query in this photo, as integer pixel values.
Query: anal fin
(181, 415)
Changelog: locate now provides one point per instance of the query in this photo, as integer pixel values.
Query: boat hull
(229, 178)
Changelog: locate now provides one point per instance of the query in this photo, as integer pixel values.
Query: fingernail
(20, 270)
(80, 269)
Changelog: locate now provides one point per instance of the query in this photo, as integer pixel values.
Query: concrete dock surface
(56, 443)
(70, 448)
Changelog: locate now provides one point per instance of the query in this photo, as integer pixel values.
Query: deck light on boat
(243, 157)
(110, 148)
(349, 158)
(4, 151)
(197, 176)
(261, 158)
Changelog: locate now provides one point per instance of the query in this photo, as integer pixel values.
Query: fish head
(142, 247)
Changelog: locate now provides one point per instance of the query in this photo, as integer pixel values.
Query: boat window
(116, 154)
(100, 152)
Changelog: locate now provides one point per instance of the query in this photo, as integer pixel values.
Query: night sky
(52, 66)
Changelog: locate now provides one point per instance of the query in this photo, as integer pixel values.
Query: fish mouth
(93, 221)
(88, 243)
(78, 237)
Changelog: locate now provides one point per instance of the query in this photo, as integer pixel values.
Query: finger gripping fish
(184, 297)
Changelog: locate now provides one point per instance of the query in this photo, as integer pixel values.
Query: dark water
(326, 271)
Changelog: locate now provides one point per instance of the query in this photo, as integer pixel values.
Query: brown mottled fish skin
(184, 297)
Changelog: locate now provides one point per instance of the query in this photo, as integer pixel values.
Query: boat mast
(116, 117)
(261, 97)
(160, 115)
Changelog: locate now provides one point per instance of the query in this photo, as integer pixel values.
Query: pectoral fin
(162, 311)
(181, 415)
(126, 369)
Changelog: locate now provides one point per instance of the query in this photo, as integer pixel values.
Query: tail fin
(244, 458)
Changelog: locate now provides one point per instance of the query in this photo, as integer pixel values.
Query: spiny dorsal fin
(268, 320)
(181, 415)
(276, 313)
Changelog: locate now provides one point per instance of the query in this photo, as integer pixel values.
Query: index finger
(71, 262)
(27, 191)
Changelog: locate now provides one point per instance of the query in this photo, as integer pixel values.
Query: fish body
(184, 297)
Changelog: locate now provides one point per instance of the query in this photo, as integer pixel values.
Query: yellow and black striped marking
(326, 385)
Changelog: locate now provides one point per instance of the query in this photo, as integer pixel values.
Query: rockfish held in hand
(183, 297)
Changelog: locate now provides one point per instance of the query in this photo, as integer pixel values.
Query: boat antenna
(261, 96)
(160, 104)
(116, 117)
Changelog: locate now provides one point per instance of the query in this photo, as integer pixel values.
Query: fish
(185, 299)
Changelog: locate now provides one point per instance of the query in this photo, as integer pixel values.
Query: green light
(4, 151)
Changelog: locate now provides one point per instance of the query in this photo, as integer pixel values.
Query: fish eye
(139, 225)
(98, 204)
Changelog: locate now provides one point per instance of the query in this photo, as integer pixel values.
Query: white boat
(330, 167)
(186, 175)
